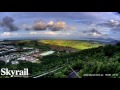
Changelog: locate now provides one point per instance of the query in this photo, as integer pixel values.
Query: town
(13, 54)
(9, 53)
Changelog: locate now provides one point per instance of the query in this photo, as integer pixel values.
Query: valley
(61, 58)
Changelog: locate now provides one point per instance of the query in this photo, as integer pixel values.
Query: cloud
(111, 24)
(72, 27)
(26, 27)
(92, 31)
(51, 33)
(60, 25)
(15, 34)
(72, 24)
(39, 25)
(6, 34)
(33, 33)
(57, 33)
(102, 16)
(50, 24)
(8, 23)
(42, 25)
(95, 31)
(96, 34)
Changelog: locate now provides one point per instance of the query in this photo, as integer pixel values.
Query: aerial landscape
(59, 44)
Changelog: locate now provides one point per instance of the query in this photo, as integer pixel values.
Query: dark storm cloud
(8, 23)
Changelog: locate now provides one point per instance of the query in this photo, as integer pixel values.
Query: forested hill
(100, 60)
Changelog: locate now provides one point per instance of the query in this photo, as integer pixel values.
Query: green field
(72, 43)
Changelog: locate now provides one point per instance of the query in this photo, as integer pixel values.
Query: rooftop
(47, 53)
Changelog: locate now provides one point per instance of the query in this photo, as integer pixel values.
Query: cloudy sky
(60, 25)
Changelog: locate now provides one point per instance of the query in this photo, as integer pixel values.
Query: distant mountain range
(106, 41)
(114, 42)
(101, 40)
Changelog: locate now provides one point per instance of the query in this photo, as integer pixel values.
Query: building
(14, 62)
(47, 53)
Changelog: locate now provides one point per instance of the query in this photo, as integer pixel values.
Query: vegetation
(77, 44)
(33, 44)
(100, 60)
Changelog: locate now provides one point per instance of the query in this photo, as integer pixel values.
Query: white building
(47, 53)
(15, 62)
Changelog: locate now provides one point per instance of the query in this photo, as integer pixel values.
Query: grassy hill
(77, 44)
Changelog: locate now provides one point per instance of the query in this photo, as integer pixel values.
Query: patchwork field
(72, 43)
